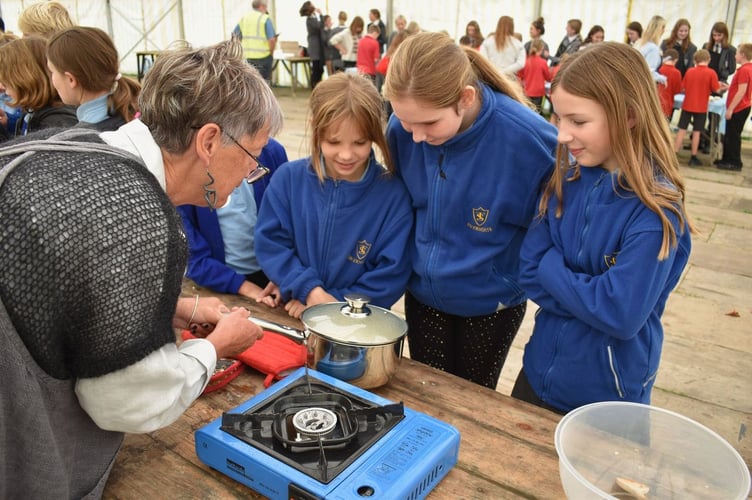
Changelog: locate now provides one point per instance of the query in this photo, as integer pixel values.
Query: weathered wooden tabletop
(506, 448)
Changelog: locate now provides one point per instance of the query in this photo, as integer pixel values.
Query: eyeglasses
(258, 172)
(255, 174)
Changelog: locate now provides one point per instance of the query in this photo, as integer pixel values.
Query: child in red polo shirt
(535, 74)
(699, 82)
(673, 85)
(369, 52)
(738, 104)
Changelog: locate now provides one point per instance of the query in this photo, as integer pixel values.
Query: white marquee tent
(147, 25)
(138, 25)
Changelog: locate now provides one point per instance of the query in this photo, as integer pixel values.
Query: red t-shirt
(699, 83)
(534, 76)
(672, 87)
(383, 65)
(742, 75)
(368, 53)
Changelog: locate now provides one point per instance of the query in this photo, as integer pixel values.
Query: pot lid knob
(356, 305)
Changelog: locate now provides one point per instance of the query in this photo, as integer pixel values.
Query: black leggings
(473, 348)
(523, 391)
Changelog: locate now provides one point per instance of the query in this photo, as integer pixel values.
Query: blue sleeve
(272, 156)
(269, 29)
(203, 265)
(536, 244)
(275, 241)
(619, 301)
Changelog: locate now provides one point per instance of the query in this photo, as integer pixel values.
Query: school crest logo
(610, 260)
(480, 215)
(362, 249)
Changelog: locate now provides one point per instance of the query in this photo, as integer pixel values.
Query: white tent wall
(152, 25)
(138, 25)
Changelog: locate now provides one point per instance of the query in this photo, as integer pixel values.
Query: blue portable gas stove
(312, 436)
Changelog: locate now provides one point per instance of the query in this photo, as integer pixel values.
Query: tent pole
(733, 11)
(110, 28)
(181, 20)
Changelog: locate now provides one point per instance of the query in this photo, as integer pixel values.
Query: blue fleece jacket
(347, 237)
(474, 197)
(601, 289)
(206, 259)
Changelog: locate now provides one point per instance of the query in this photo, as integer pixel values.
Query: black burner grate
(268, 426)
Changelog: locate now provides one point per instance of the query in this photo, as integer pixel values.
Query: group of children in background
(679, 69)
(436, 205)
(698, 85)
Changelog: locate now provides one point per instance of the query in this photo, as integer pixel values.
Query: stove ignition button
(314, 421)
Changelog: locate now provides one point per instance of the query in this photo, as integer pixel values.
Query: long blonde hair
(617, 77)
(342, 97)
(653, 32)
(504, 31)
(413, 72)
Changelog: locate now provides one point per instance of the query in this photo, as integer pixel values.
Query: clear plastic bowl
(674, 456)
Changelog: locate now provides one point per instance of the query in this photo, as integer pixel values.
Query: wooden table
(291, 62)
(506, 448)
(144, 61)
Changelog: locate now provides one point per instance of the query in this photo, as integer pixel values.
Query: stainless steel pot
(352, 341)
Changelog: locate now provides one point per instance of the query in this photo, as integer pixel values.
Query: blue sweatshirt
(343, 236)
(601, 289)
(474, 197)
(206, 258)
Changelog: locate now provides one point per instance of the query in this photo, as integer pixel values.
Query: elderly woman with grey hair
(92, 262)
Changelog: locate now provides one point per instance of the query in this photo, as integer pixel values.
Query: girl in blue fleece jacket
(337, 222)
(611, 240)
(474, 157)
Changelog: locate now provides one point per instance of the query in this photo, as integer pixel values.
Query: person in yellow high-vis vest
(256, 32)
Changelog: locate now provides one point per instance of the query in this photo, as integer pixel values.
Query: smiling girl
(337, 222)
(611, 239)
(680, 40)
(473, 156)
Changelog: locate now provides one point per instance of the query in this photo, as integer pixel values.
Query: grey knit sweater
(91, 262)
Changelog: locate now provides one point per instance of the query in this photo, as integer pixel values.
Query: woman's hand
(270, 295)
(199, 314)
(234, 333)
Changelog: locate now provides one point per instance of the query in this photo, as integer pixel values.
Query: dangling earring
(210, 195)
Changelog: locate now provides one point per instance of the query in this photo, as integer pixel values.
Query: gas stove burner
(349, 425)
(314, 421)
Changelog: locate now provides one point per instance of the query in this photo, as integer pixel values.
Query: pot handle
(291, 333)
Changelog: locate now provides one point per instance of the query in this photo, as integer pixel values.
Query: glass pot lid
(355, 322)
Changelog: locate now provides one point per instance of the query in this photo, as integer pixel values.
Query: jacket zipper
(613, 372)
(435, 224)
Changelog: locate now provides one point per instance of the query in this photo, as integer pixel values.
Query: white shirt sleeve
(151, 393)
(519, 59)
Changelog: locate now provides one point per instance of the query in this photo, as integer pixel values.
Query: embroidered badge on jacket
(480, 217)
(361, 252)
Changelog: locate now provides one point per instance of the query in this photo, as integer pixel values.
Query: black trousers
(317, 72)
(732, 139)
(473, 347)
